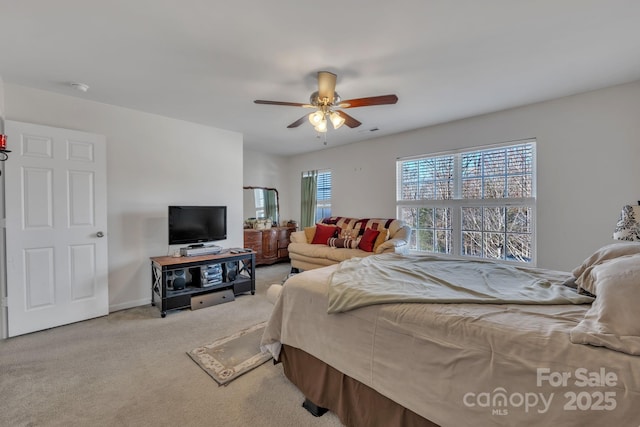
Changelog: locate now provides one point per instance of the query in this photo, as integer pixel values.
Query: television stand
(176, 281)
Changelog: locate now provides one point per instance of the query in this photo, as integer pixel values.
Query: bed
(408, 362)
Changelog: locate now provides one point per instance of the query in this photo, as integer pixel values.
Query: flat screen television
(197, 224)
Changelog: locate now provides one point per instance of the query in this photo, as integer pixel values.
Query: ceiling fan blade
(348, 120)
(298, 122)
(289, 104)
(326, 85)
(372, 100)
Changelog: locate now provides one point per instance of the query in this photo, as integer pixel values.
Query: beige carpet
(131, 369)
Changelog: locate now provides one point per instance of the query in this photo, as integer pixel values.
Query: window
(476, 203)
(258, 195)
(323, 195)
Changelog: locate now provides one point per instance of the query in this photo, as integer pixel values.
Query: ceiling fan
(326, 101)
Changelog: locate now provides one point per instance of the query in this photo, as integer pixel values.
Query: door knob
(99, 234)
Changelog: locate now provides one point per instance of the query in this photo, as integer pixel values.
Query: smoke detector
(80, 86)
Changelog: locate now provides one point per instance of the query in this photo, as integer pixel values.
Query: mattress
(463, 364)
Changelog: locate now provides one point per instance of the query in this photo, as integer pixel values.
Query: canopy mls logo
(589, 397)
(499, 400)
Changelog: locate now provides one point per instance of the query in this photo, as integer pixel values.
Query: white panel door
(56, 227)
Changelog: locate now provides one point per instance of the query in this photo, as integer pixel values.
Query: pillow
(368, 239)
(611, 251)
(323, 234)
(612, 320)
(382, 237)
(348, 242)
(582, 273)
(309, 232)
(348, 233)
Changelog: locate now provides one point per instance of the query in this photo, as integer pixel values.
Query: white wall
(152, 162)
(268, 170)
(1, 105)
(587, 161)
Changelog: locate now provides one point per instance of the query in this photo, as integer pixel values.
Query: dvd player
(202, 250)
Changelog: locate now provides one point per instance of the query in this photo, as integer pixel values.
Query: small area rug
(228, 358)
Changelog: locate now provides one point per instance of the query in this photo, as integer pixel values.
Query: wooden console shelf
(229, 272)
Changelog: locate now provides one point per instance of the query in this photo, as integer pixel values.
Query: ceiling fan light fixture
(336, 119)
(322, 126)
(316, 117)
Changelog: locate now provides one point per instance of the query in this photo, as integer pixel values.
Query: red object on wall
(3, 142)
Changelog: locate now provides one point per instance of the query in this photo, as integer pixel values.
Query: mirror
(261, 203)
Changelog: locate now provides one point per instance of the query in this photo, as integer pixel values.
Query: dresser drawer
(283, 253)
(271, 245)
(252, 239)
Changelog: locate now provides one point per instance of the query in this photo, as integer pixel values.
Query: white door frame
(3, 265)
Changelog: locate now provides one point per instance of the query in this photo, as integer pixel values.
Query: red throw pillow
(368, 239)
(323, 233)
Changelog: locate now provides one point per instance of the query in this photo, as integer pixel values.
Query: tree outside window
(476, 203)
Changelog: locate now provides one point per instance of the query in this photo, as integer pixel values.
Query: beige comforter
(463, 364)
(388, 278)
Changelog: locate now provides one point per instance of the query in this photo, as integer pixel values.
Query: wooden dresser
(270, 245)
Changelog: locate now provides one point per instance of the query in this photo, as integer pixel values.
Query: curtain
(308, 199)
(271, 206)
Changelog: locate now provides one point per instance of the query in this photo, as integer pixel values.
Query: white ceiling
(206, 61)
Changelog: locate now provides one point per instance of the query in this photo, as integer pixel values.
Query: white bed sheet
(463, 364)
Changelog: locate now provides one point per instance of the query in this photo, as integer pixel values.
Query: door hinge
(4, 302)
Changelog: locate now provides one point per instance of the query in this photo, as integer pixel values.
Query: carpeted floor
(131, 369)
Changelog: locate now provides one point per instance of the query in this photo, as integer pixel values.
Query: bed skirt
(354, 403)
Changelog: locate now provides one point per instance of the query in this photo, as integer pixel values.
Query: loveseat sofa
(336, 239)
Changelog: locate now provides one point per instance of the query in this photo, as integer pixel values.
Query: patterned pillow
(348, 242)
(348, 233)
(628, 226)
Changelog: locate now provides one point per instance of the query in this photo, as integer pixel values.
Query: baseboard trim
(128, 304)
